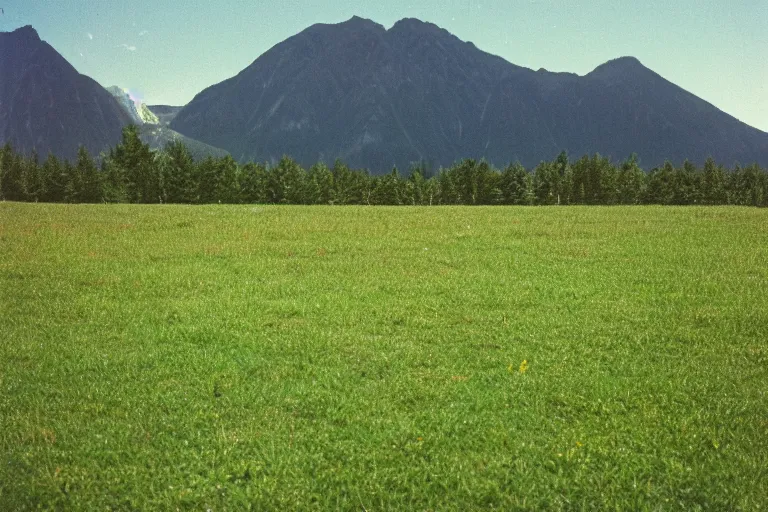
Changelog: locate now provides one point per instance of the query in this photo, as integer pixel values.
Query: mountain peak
(25, 33)
(47, 106)
(416, 93)
(360, 23)
(621, 64)
(355, 23)
(414, 24)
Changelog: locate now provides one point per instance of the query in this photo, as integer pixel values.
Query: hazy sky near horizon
(166, 53)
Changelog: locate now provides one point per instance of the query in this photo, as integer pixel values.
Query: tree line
(133, 173)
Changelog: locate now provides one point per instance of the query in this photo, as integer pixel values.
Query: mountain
(146, 114)
(155, 132)
(125, 101)
(47, 106)
(138, 111)
(376, 98)
(158, 136)
(164, 113)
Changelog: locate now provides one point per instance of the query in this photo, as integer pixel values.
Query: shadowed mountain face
(378, 98)
(164, 113)
(47, 106)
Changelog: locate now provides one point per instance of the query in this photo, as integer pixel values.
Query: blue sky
(167, 53)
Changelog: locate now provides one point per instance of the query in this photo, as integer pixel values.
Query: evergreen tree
(206, 179)
(431, 191)
(343, 183)
(253, 183)
(32, 181)
(713, 184)
(546, 178)
(414, 187)
(114, 183)
(90, 178)
(488, 184)
(227, 185)
(630, 182)
(564, 182)
(387, 189)
(763, 174)
(4, 158)
(660, 185)
(323, 188)
(685, 185)
(73, 183)
(285, 182)
(514, 184)
(12, 175)
(54, 180)
(581, 186)
(752, 184)
(608, 188)
(137, 165)
(466, 181)
(448, 192)
(178, 169)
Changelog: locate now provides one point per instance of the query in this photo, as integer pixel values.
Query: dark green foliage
(320, 186)
(350, 186)
(73, 187)
(12, 180)
(136, 163)
(387, 189)
(713, 184)
(630, 182)
(32, 182)
(660, 185)
(472, 182)
(178, 174)
(227, 188)
(207, 179)
(89, 178)
(516, 185)
(546, 183)
(747, 186)
(115, 190)
(54, 180)
(595, 181)
(448, 191)
(131, 172)
(686, 185)
(285, 182)
(253, 183)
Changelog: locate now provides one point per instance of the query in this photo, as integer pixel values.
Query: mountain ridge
(379, 97)
(46, 105)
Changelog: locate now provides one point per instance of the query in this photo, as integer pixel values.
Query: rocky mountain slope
(47, 106)
(377, 98)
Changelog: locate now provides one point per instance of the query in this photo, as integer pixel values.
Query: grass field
(353, 358)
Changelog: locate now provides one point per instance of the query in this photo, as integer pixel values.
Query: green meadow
(379, 358)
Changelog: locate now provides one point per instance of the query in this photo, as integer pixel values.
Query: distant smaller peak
(357, 21)
(410, 21)
(353, 23)
(628, 60)
(414, 24)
